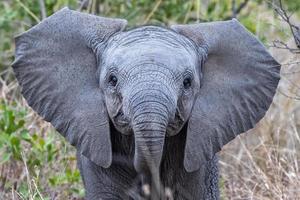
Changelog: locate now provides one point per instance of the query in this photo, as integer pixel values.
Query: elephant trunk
(149, 143)
(150, 116)
(151, 109)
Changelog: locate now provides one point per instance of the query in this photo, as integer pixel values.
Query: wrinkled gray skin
(147, 108)
(151, 102)
(121, 180)
(150, 99)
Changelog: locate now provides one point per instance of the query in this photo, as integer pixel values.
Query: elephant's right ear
(239, 81)
(56, 67)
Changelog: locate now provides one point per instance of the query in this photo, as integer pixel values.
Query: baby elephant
(147, 108)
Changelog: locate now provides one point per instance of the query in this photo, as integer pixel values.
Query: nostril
(120, 113)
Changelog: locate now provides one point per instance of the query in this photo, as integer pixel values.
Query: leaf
(20, 124)
(5, 157)
(15, 141)
(53, 181)
(26, 136)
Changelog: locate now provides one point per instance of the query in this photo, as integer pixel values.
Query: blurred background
(37, 164)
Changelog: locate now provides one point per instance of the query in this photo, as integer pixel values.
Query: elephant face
(149, 66)
(78, 70)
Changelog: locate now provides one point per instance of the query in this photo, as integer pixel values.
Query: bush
(35, 164)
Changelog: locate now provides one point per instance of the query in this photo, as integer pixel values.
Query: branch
(282, 12)
(83, 4)
(43, 9)
(241, 7)
(291, 63)
(233, 9)
(288, 96)
(236, 11)
(29, 11)
(281, 45)
(152, 11)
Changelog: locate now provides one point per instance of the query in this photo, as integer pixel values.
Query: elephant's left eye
(113, 80)
(187, 82)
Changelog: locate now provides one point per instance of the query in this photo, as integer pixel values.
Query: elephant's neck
(202, 183)
(172, 160)
(122, 147)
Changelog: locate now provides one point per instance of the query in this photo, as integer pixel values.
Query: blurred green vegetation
(36, 152)
(19, 15)
(50, 162)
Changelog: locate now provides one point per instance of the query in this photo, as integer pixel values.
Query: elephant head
(79, 71)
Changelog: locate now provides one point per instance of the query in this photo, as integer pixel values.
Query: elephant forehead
(151, 44)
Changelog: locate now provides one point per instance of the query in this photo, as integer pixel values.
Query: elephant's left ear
(239, 81)
(56, 65)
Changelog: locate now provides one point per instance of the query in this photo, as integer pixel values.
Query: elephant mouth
(176, 125)
(119, 115)
(122, 123)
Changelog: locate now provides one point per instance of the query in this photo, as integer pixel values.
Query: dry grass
(264, 163)
(14, 174)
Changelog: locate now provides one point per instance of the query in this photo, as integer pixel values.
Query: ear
(238, 84)
(56, 68)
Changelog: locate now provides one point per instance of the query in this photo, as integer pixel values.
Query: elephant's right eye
(187, 82)
(113, 80)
